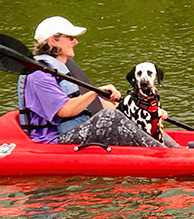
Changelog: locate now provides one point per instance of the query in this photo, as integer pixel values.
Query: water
(90, 197)
(120, 35)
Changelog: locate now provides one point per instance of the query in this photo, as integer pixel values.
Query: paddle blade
(8, 63)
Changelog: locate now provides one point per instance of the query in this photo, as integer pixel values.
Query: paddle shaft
(179, 124)
(33, 65)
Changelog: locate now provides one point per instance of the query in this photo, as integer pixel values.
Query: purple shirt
(44, 97)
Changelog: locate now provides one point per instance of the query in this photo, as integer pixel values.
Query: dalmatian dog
(142, 103)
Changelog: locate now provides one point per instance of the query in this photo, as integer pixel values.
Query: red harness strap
(153, 109)
(151, 105)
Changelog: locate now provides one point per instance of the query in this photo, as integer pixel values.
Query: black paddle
(16, 58)
(180, 124)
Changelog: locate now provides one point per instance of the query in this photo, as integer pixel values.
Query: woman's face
(66, 43)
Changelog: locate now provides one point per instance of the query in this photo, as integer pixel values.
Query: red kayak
(20, 155)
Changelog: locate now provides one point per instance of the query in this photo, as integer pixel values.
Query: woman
(57, 112)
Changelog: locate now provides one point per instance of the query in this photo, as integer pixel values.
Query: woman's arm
(76, 105)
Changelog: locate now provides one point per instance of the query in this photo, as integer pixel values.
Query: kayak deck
(36, 158)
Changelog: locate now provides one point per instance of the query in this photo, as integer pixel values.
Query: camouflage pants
(111, 127)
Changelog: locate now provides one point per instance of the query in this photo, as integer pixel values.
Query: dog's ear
(131, 77)
(160, 75)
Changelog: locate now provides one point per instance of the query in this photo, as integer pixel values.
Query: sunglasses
(70, 37)
(58, 36)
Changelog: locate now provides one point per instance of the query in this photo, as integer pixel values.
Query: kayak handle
(85, 145)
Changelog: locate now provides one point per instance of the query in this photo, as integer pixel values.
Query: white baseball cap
(52, 25)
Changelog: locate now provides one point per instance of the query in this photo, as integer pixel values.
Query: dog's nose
(144, 84)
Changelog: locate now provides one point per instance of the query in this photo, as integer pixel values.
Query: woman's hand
(115, 94)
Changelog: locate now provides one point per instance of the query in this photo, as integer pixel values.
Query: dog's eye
(139, 73)
(150, 73)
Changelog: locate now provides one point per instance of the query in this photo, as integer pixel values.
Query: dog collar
(150, 104)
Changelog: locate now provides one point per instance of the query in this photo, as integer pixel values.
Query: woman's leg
(110, 127)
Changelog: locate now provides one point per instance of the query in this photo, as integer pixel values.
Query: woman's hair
(46, 48)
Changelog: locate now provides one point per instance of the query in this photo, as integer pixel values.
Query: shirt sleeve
(43, 95)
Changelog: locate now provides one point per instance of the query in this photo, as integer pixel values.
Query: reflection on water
(120, 35)
(90, 197)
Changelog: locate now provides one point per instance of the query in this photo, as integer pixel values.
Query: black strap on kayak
(29, 127)
(76, 72)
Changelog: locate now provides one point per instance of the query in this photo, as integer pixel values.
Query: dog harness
(150, 104)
